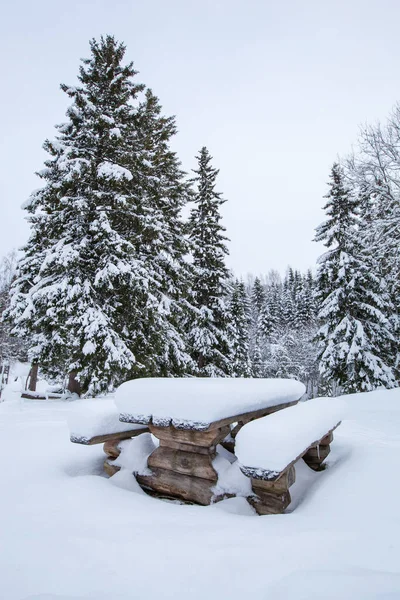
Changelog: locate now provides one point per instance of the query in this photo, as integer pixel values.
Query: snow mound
(195, 403)
(272, 443)
(230, 478)
(134, 454)
(90, 418)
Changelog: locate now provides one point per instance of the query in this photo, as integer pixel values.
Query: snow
(134, 454)
(113, 171)
(88, 419)
(195, 403)
(70, 533)
(271, 444)
(230, 478)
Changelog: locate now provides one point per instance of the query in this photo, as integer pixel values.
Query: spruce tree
(209, 335)
(354, 335)
(86, 295)
(240, 319)
(163, 245)
(257, 335)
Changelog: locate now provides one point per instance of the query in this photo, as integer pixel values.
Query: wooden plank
(317, 454)
(109, 468)
(100, 439)
(268, 474)
(270, 504)
(279, 486)
(177, 485)
(211, 450)
(187, 463)
(205, 439)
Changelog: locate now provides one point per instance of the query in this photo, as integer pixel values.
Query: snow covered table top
(267, 447)
(201, 403)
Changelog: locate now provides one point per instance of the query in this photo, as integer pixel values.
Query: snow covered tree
(209, 327)
(354, 336)
(11, 347)
(240, 319)
(257, 335)
(163, 245)
(86, 295)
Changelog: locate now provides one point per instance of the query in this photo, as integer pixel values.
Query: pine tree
(164, 245)
(85, 294)
(209, 328)
(240, 319)
(354, 336)
(272, 315)
(258, 325)
(287, 315)
(11, 347)
(267, 322)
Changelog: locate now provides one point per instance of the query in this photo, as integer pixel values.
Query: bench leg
(112, 451)
(315, 456)
(272, 497)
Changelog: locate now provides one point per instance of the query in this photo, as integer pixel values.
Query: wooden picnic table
(182, 465)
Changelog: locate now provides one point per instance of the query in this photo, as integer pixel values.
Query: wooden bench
(268, 449)
(103, 427)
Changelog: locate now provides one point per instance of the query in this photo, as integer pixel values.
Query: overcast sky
(275, 90)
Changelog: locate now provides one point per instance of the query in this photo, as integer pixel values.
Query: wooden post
(74, 385)
(315, 456)
(182, 464)
(113, 451)
(33, 376)
(272, 497)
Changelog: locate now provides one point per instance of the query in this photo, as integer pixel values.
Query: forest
(114, 284)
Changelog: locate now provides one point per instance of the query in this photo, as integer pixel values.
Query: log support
(181, 467)
(110, 468)
(112, 450)
(315, 456)
(272, 497)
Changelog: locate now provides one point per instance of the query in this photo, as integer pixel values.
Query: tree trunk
(74, 385)
(33, 377)
(201, 362)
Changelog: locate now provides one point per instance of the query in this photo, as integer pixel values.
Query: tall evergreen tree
(354, 336)
(241, 319)
(209, 329)
(86, 296)
(258, 323)
(165, 248)
(11, 348)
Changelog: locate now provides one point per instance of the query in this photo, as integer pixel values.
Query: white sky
(275, 90)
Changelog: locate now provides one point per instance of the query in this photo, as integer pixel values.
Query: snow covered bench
(97, 422)
(268, 449)
(190, 417)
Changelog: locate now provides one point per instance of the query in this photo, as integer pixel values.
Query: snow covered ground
(67, 532)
